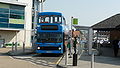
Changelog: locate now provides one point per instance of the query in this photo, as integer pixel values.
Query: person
(68, 46)
(74, 43)
(119, 43)
(115, 47)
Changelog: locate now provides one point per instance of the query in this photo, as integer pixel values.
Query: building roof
(77, 27)
(109, 23)
(13, 2)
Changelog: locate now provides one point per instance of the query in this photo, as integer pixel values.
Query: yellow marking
(59, 60)
(51, 63)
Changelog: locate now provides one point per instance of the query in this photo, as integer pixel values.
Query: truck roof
(49, 13)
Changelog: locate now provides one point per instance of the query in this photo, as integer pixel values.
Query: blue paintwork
(49, 13)
(49, 44)
(60, 29)
(50, 51)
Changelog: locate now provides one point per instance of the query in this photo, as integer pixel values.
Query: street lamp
(36, 10)
(41, 1)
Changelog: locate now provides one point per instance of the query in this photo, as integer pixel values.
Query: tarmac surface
(7, 61)
(17, 60)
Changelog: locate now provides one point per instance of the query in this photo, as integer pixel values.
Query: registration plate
(49, 51)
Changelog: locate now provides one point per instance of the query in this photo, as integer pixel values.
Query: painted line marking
(59, 60)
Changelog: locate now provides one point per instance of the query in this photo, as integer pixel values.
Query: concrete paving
(84, 61)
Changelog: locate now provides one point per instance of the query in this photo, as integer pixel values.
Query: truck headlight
(38, 48)
(59, 48)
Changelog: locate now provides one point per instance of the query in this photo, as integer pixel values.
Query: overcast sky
(88, 12)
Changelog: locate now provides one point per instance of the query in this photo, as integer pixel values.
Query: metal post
(75, 53)
(39, 7)
(92, 60)
(41, 1)
(97, 39)
(12, 46)
(66, 55)
(24, 37)
(42, 6)
(71, 42)
(16, 43)
(90, 34)
(35, 22)
(35, 14)
(23, 47)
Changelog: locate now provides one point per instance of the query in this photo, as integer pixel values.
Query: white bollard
(92, 60)
(66, 56)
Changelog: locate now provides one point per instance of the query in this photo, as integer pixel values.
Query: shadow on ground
(107, 57)
(47, 60)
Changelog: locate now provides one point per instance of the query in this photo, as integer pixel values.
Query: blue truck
(50, 33)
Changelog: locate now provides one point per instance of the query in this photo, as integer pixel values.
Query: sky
(88, 12)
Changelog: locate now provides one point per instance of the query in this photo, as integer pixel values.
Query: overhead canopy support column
(90, 39)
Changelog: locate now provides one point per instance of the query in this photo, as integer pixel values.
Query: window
(47, 19)
(3, 10)
(50, 19)
(16, 16)
(57, 19)
(4, 15)
(44, 19)
(16, 7)
(4, 20)
(17, 12)
(11, 16)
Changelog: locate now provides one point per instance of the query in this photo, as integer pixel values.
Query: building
(109, 27)
(15, 21)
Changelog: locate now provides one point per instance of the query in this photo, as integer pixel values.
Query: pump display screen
(49, 27)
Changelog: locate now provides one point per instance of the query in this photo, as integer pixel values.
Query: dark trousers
(115, 52)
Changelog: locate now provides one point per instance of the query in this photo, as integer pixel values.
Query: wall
(114, 34)
(10, 36)
(28, 21)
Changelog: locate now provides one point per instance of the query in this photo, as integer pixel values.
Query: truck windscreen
(49, 37)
